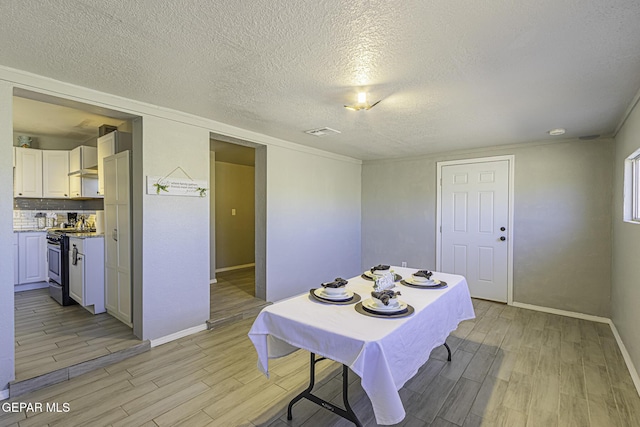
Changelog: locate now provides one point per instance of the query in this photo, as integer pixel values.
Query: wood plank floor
(233, 296)
(511, 367)
(50, 337)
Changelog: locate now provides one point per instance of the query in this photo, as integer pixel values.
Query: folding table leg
(344, 413)
(448, 351)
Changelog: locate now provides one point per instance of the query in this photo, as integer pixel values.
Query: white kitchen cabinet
(28, 173)
(117, 218)
(16, 273)
(55, 174)
(83, 173)
(86, 272)
(32, 257)
(108, 145)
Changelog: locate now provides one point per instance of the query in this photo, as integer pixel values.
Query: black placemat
(411, 285)
(360, 309)
(396, 277)
(356, 298)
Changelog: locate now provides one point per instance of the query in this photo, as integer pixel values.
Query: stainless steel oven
(58, 258)
(54, 258)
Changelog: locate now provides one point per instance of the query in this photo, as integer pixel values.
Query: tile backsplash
(25, 210)
(26, 220)
(68, 205)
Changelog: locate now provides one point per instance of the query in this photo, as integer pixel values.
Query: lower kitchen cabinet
(86, 272)
(16, 255)
(32, 257)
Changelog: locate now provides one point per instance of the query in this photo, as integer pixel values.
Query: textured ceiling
(41, 118)
(451, 74)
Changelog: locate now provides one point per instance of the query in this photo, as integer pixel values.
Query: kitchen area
(66, 315)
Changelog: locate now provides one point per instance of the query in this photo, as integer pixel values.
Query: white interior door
(117, 218)
(474, 202)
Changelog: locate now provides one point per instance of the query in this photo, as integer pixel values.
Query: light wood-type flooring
(49, 336)
(233, 297)
(511, 367)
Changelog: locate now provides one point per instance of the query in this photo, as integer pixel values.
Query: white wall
(175, 258)
(313, 221)
(562, 219)
(625, 292)
(7, 346)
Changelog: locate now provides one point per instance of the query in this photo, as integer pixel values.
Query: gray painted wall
(235, 234)
(7, 339)
(562, 219)
(625, 292)
(175, 260)
(313, 221)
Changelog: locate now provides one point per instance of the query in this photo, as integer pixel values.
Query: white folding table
(384, 352)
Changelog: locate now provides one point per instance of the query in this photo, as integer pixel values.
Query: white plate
(370, 304)
(427, 284)
(370, 274)
(322, 294)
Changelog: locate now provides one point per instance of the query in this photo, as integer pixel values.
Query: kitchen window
(632, 188)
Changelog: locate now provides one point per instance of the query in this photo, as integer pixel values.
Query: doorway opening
(56, 184)
(237, 230)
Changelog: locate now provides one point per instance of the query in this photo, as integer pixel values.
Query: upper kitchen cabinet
(83, 173)
(108, 145)
(55, 174)
(28, 173)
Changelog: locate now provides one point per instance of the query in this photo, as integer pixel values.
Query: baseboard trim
(235, 267)
(212, 281)
(626, 356)
(4, 394)
(180, 334)
(563, 312)
(30, 286)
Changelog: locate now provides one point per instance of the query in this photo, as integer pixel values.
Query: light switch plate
(233, 212)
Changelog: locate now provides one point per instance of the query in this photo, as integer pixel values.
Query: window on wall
(632, 188)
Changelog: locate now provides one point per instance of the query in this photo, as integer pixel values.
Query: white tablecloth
(385, 353)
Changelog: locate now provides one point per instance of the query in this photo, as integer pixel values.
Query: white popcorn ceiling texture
(451, 74)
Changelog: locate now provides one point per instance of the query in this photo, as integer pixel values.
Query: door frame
(439, 165)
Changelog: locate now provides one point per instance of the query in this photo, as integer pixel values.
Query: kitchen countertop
(87, 235)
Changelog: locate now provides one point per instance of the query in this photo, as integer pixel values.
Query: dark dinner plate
(354, 299)
(404, 313)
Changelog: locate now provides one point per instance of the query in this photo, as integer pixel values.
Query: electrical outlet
(404, 263)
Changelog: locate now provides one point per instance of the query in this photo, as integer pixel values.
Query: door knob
(502, 229)
(503, 238)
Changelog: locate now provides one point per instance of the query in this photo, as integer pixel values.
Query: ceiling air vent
(322, 131)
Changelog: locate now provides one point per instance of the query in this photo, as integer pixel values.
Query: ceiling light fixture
(362, 103)
(557, 131)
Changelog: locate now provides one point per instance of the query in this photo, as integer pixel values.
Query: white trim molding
(177, 335)
(235, 267)
(627, 357)
(212, 281)
(511, 159)
(4, 394)
(563, 312)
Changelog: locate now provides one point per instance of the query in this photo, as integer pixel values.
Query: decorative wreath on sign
(202, 192)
